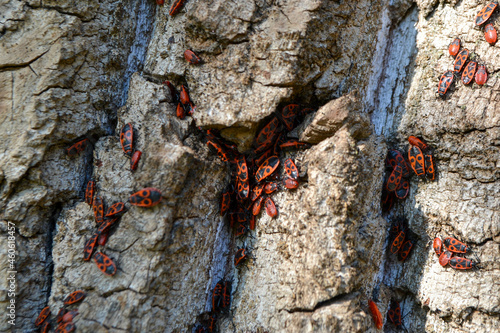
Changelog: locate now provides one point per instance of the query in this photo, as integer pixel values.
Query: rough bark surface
(74, 70)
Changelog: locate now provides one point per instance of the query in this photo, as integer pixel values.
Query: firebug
(454, 47)
(271, 208)
(403, 189)
(89, 192)
(257, 191)
(45, 327)
(454, 245)
(243, 189)
(180, 112)
(89, 247)
(445, 82)
(469, 71)
(429, 166)
(68, 317)
(462, 263)
(398, 242)
(115, 209)
(290, 183)
(437, 245)
(240, 256)
(445, 257)
(77, 148)
(242, 168)
(225, 202)
(481, 75)
(376, 315)
(294, 144)
(460, 60)
(288, 115)
(270, 187)
(98, 208)
(65, 328)
(103, 238)
(75, 296)
(394, 314)
(257, 205)
(191, 57)
(176, 7)
(414, 141)
(173, 92)
(105, 264)
(405, 250)
(267, 168)
(217, 296)
(394, 179)
(134, 161)
(485, 13)
(267, 135)
(490, 33)
(416, 158)
(127, 139)
(42, 316)
(290, 169)
(147, 197)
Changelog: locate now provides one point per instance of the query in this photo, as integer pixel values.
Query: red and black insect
(98, 208)
(454, 47)
(294, 144)
(403, 190)
(267, 135)
(267, 168)
(241, 230)
(89, 247)
(485, 13)
(226, 201)
(42, 316)
(270, 187)
(257, 205)
(437, 245)
(242, 170)
(176, 7)
(217, 296)
(77, 147)
(394, 314)
(105, 264)
(60, 314)
(212, 321)
(490, 33)
(191, 57)
(147, 197)
(243, 189)
(160, 2)
(240, 256)
(288, 115)
(394, 158)
(376, 315)
(429, 166)
(185, 100)
(257, 191)
(226, 295)
(75, 296)
(45, 327)
(469, 71)
(398, 242)
(271, 208)
(219, 150)
(290, 183)
(481, 75)
(454, 245)
(445, 82)
(405, 249)
(394, 179)
(103, 238)
(387, 200)
(179, 112)
(115, 209)
(290, 169)
(105, 225)
(134, 161)
(462, 263)
(252, 222)
(65, 328)
(414, 141)
(173, 92)
(444, 258)
(68, 317)
(460, 60)
(89, 192)
(127, 139)
(416, 158)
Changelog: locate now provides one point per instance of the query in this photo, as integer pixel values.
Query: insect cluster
(106, 223)
(471, 70)
(449, 252)
(64, 318)
(396, 181)
(255, 176)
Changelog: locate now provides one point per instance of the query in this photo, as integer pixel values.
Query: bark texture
(72, 70)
